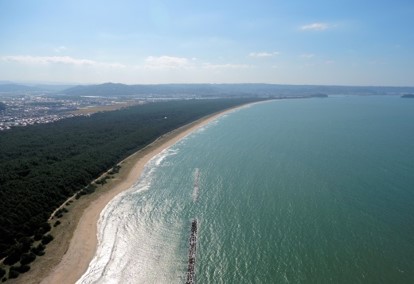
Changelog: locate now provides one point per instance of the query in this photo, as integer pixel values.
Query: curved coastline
(69, 255)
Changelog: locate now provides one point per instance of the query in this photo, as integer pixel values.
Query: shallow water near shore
(290, 191)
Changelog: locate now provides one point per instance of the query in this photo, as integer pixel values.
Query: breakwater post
(192, 253)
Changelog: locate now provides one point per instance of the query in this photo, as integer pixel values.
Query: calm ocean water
(292, 191)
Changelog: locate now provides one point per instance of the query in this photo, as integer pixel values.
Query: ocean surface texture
(289, 191)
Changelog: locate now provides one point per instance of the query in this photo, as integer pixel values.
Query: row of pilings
(192, 253)
(193, 236)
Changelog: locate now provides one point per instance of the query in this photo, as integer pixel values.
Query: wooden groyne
(192, 253)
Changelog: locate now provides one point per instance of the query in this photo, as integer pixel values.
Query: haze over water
(290, 191)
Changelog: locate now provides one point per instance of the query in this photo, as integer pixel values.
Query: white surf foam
(196, 184)
(121, 224)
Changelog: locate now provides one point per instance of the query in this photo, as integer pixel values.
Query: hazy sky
(346, 42)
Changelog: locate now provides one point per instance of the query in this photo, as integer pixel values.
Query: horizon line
(28, 83)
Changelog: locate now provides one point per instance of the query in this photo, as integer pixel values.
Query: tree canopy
(42, 165)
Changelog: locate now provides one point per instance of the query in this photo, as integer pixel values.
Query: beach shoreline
(67, 257)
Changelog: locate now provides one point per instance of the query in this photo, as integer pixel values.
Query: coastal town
(28, 109)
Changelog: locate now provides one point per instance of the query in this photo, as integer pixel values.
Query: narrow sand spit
(68, 256)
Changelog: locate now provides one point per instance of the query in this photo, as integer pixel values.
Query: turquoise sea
(287, 191)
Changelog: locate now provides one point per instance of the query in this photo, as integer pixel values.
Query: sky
(323, 42)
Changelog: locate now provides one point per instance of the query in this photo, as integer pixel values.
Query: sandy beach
(68, 256)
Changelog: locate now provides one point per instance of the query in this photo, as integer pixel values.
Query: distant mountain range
(10, 87)
(217, 90)
(16, 88)
(202, 90)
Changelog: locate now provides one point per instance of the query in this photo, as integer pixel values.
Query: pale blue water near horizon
(290, 191)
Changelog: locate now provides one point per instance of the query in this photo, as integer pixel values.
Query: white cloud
(263, 54)
(167, 62)
(307, 55)
(315, 27)
(171, 62)
(60, 49)
(27, 59)
(225, 66)
(152, 69)
(43, 60)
